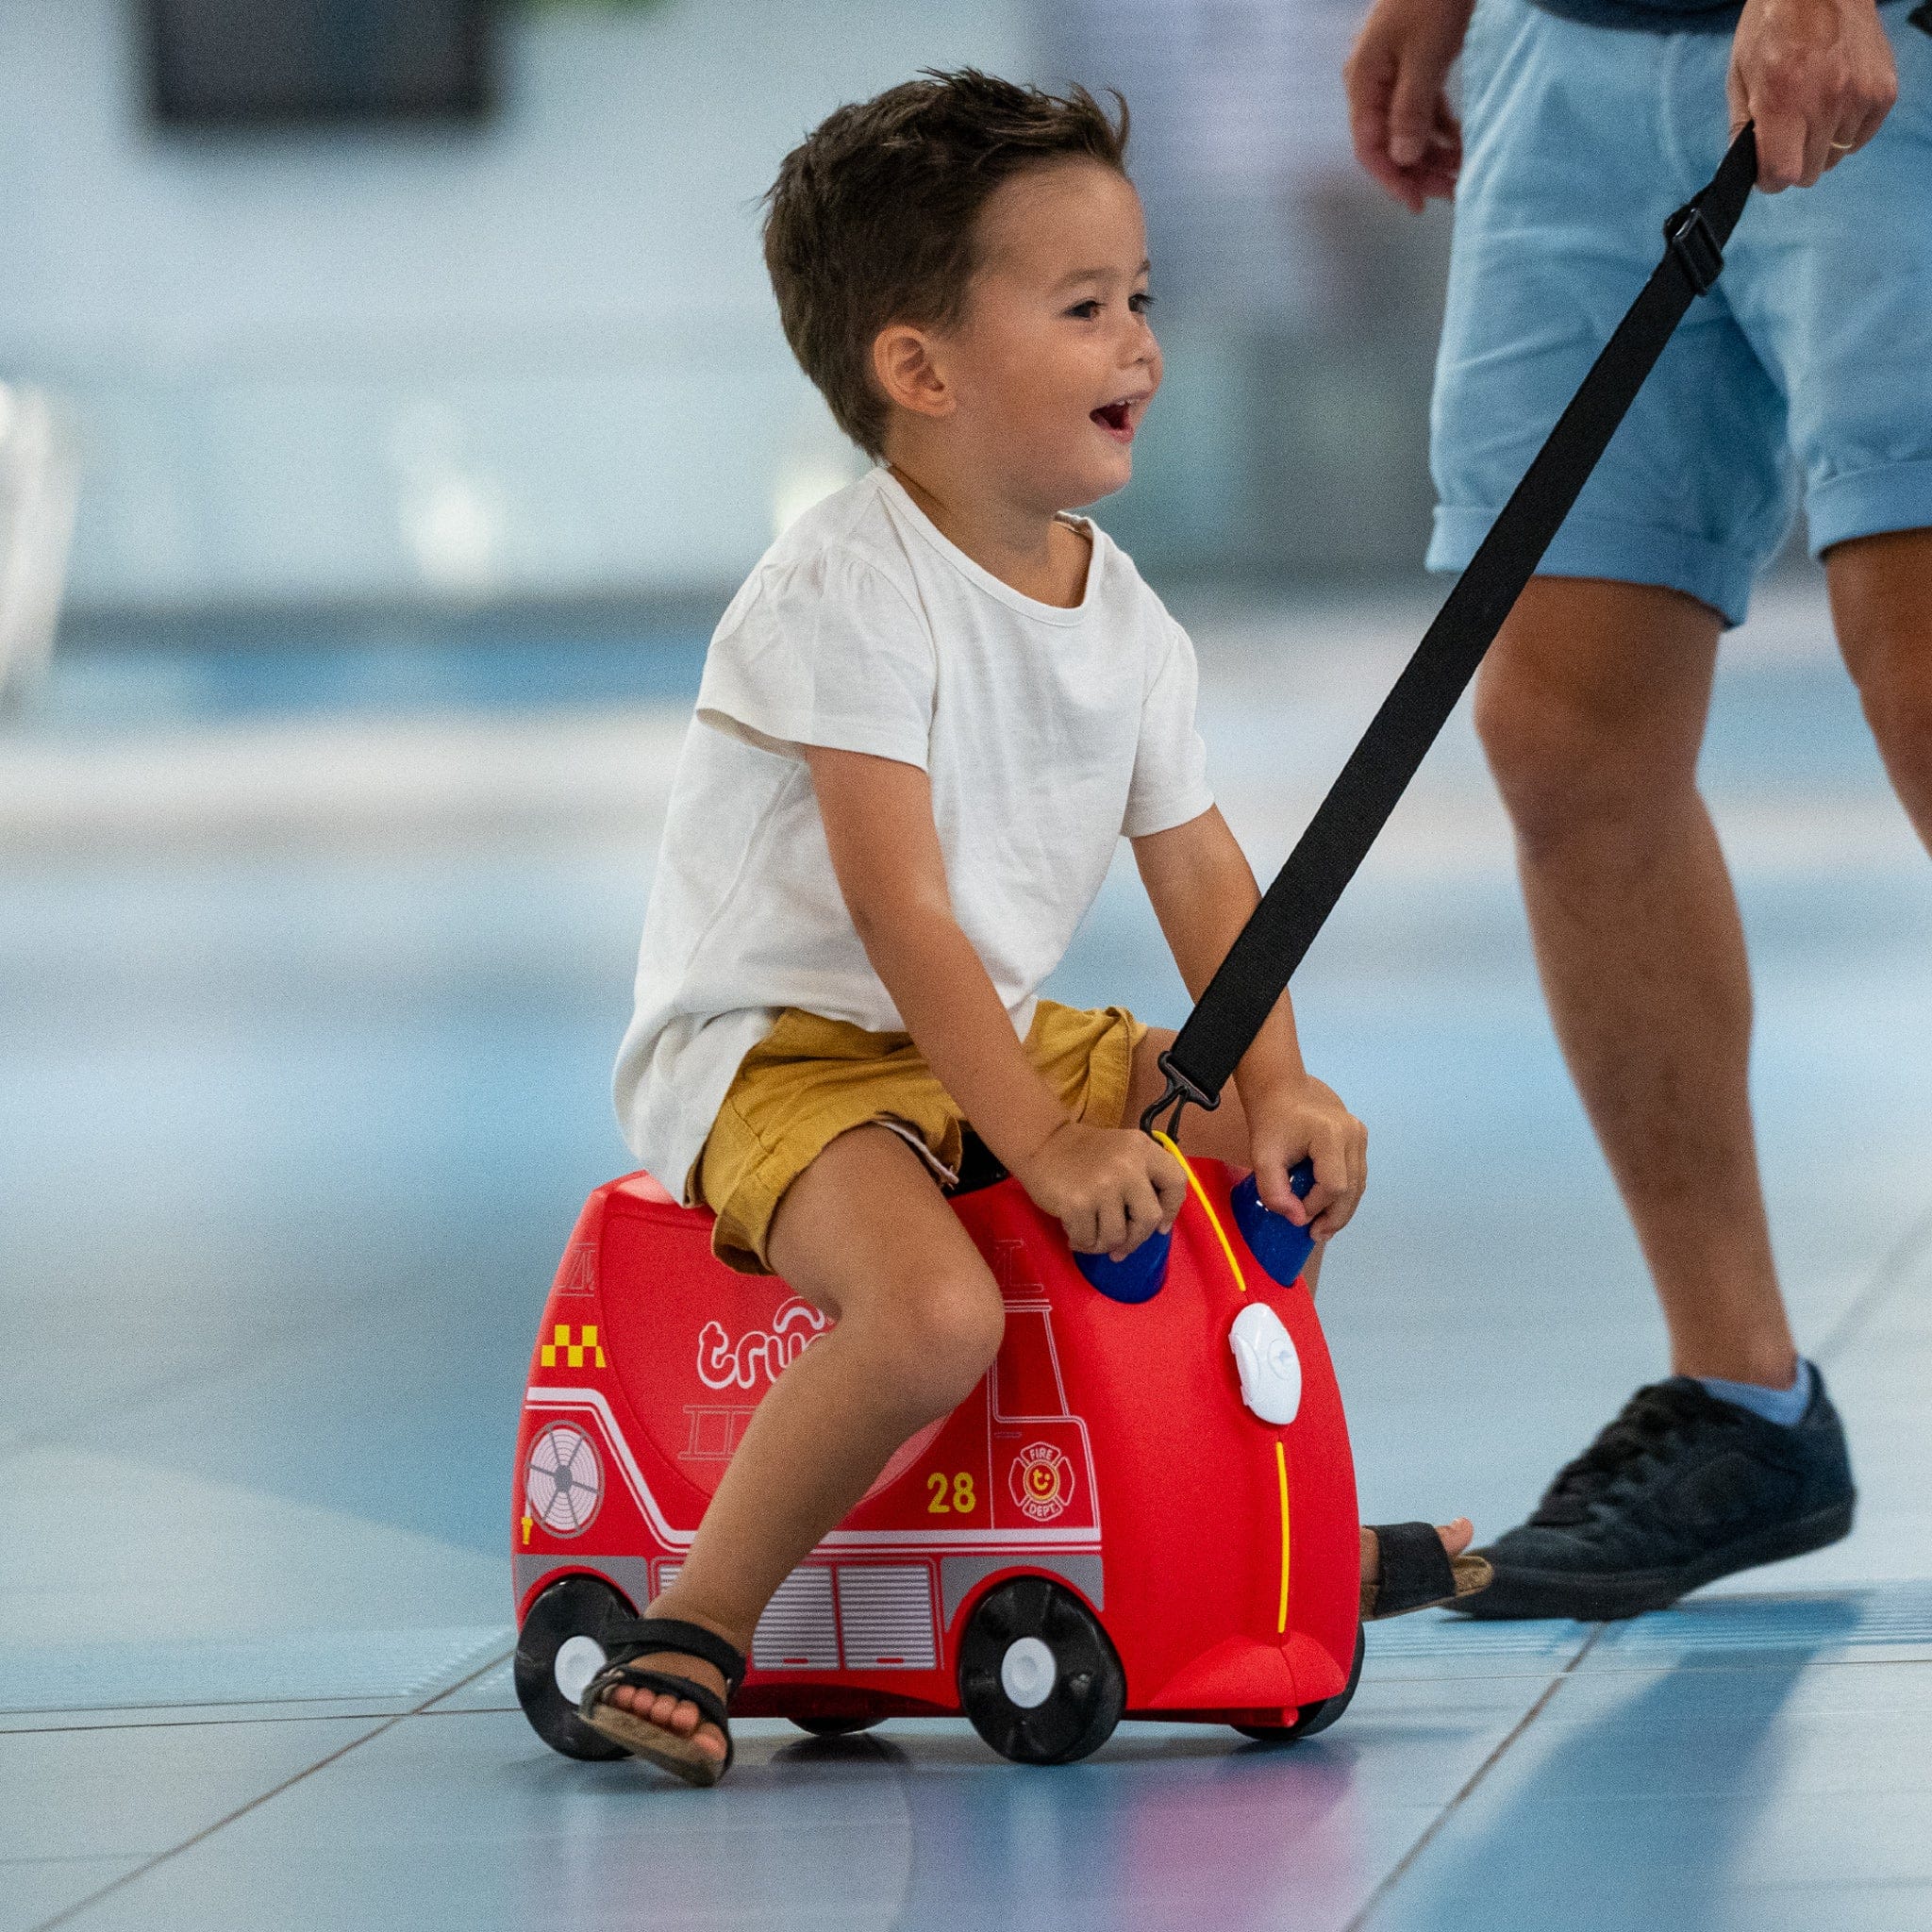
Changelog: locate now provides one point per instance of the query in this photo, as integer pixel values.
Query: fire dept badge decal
(1041, 1480)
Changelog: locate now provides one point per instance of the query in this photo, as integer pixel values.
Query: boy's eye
(1085, 312)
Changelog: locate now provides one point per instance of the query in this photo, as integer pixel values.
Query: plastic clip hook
(1181, 1091)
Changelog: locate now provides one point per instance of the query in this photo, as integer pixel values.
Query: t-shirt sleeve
(832, 653)
(1169, 781)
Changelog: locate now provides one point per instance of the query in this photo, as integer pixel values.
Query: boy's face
(1053, 364)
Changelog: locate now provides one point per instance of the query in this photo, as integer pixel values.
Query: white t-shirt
(1046, 734)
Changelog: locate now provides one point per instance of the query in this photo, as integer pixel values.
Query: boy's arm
(1203, 890)
(1108, 1187)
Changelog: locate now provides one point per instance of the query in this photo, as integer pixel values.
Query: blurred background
(382, 305)
(391, 396)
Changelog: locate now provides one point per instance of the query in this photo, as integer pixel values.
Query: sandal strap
(640, 1636)
(1416, 1570)
(710, 1706)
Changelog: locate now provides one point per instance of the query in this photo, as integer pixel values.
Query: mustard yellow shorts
(812, 1079)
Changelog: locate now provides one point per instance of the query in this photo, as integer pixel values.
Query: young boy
(925, 724)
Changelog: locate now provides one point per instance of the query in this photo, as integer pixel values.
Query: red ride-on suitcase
(1107, 1528)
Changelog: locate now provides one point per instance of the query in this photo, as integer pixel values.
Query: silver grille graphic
(885, 1616)
(798, 1631)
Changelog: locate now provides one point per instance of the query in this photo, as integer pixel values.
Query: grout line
(1899, 1266)
(132, 1718)
(255, 1803)
(114, 1723)
(429, 1709)
(1476, 1777)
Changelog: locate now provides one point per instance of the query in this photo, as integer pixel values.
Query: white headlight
(1264, 1356)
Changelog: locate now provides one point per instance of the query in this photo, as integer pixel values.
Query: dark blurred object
(242, 63)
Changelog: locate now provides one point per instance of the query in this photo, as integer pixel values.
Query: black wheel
(565, 1642)
(834, 1726)
(1037, 1677)
(1313, 1717)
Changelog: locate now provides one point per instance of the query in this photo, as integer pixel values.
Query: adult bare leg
(1881, 604)
(864, 1234)
(1591, 707)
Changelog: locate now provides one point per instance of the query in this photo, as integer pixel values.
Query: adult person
(1586, 123)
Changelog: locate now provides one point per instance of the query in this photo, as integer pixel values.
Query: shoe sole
(1593, 1599)
(667, 1750)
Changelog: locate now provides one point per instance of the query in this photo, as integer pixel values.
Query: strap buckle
(1181, 1091)
(1695, 247)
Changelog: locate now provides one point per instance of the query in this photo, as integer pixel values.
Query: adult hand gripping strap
(1282, 927)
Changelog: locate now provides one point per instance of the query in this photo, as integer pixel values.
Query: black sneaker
(1680, 1490)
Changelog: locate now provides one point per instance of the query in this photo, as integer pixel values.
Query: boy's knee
(945, 1333)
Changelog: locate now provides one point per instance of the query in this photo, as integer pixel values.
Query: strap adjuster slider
(1695, 247)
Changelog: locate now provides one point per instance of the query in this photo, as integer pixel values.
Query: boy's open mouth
(1116, 418)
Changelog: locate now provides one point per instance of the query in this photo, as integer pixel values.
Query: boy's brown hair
(871, 220)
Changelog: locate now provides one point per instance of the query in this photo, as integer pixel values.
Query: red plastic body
(1109, 1448)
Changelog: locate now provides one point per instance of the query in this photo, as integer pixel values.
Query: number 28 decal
(951, 1495)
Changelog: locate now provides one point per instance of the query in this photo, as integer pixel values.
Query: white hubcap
(1028, 1673)
(578, 1659)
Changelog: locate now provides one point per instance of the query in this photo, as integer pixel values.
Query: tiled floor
(310, 993)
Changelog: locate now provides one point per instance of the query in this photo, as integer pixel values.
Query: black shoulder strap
(1268, 949)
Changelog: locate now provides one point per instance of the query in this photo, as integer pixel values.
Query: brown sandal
(1418, 1572)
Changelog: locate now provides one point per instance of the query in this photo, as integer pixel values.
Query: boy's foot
(677, 1715)
(1681, 1489)
(1415, 1566)
(663, 1693)
(1456, 1537)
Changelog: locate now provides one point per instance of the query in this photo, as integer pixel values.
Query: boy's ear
(903, 365)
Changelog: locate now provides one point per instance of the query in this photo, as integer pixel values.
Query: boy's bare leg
(864, 1234)
(1222, 1135)
(1591, 708)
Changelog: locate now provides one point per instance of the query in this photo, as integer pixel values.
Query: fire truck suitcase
(1105, 1527)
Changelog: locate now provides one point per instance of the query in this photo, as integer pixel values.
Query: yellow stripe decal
(1281, 1474)
(1208, 1209)
(1235, 1269)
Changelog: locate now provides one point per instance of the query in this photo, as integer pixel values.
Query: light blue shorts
(1808, 369)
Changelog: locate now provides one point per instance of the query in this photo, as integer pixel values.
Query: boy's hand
(1110, 1188)
(1290, 1121)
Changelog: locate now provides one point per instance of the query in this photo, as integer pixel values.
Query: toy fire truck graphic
(1106, 1527)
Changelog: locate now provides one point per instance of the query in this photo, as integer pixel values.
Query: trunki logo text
(763, 1353)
